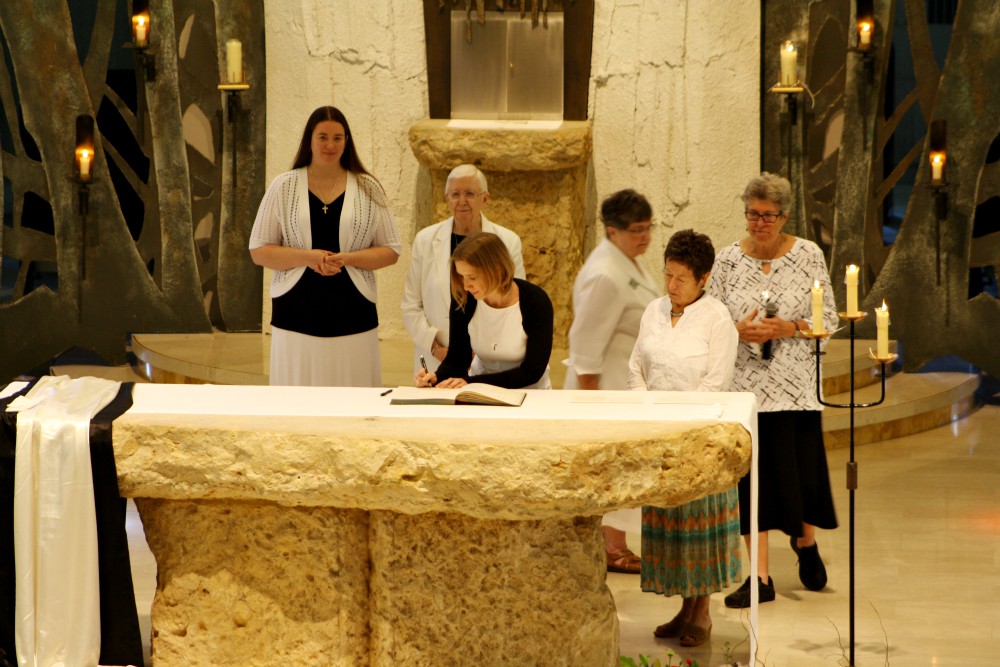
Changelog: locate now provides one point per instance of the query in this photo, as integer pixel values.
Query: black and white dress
(794, 479)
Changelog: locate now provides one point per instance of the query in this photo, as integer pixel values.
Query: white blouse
(696, 354)
(498, 338)
(786, 381)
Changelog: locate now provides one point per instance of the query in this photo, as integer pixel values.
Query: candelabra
(851, 405)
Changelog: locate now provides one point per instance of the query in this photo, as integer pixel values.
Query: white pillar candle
(140, 30)
(937, 167)
(789, 58)
(817, 303)
(882, 327)
(864, 34)
(851, 280)
(234, 61)
(84, 157)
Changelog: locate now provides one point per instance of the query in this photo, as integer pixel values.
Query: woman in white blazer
(427, 292)
(610, 294)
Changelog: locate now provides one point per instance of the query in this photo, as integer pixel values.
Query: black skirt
(794, 479)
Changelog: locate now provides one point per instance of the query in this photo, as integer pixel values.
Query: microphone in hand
(770, 310)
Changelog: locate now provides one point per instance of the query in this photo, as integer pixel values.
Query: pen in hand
(423, 364)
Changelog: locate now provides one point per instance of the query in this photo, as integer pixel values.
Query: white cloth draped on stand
(57, 600)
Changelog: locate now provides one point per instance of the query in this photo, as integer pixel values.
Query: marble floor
(928, 566)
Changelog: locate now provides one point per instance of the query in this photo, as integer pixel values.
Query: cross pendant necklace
(332, 192)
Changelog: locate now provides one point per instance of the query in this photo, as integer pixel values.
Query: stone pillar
(243, 582)
(538, 183)
(453, 589)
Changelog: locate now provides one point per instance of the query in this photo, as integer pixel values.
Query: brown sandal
(672, 628)
(695, 635)
(624, 561)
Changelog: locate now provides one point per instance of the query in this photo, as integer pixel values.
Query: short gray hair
(463, 170)
(769, 187)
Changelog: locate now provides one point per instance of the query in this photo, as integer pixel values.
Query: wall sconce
(234, 84)
(938, 154)
(235, 81)
(788, 82)
(865, 16)
(937, 160)
(84, 157)
(791, 87)
(83, 171)
(140, 38)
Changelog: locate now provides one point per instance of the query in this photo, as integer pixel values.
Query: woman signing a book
(500, 327)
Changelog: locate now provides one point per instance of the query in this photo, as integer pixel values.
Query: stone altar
(323, 526)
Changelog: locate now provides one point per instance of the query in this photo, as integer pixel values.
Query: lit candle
(937, 166)
(234, 61)
(789, 58)
(882, 327)
(864, 34)
(140, 30)
(851, 280)
(817, 300)
(84, 157)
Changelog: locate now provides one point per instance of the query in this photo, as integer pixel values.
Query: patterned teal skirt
(692, 550)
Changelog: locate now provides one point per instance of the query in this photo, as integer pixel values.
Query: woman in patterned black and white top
(794, 486)
(324, 228)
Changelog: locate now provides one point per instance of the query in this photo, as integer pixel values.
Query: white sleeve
(267, 226)
(414, 318)
(723, 342)
(515, 253)
(386, 233)
(636, 378)
(598, 313)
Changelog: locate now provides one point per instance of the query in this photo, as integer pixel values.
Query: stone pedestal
(255, 583)
(450, 589)
(538, 188)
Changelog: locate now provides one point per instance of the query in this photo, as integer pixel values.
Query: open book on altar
(477, 393)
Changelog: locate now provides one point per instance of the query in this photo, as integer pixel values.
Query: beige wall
(673, 98)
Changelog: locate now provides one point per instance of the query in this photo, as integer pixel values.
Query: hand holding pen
(424, 377)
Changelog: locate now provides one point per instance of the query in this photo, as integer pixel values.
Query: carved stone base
(451, 589)
(255, 583)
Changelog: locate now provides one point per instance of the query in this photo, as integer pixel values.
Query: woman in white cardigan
(324, 228)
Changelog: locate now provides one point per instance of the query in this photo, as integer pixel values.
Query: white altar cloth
(57, 609)
(358, 402)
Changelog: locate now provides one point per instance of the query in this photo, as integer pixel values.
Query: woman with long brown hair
(324, 228)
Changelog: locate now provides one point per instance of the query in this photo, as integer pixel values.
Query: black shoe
(812, 572)
(740, 598)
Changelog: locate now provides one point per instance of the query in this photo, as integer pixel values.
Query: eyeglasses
(769, 218)
(638, 231)
(467, 195)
